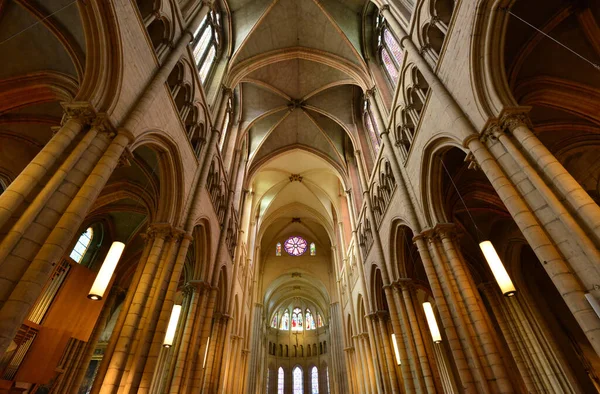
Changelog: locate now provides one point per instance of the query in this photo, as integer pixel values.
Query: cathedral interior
(299, 196)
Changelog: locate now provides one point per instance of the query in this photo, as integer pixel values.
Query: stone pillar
(256, 341)
(77, 116)
(553, 172)
(422, 361)
(459, 316)
(471, 299)
(15, 309)
(82, 367)
(565, 280)
(377, 346)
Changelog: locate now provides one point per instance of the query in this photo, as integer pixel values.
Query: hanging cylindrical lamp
(433, 327)
(106, 271)
(493, 260)
(170, 334)
(396, 349)
(206, 353)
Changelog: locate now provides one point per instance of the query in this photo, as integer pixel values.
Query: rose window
(295, 246)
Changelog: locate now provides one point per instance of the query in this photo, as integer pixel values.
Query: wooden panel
(71, 310)
(42, 358)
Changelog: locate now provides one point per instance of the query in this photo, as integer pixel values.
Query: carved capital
(491, 133)
(472, 162)
(384, 8)
(78, 110)
(125, 159)
(509, 122)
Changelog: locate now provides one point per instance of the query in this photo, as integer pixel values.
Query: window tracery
(82, 245)
(389, 51)
(285, 320)
(314, 380)
(280, 378)
(297, 385)
(310, 322)
(274, 321)
(371, 126)
(295, 246)
(297, 319)
(205, 46)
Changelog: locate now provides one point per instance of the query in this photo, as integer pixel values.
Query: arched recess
(164, 164)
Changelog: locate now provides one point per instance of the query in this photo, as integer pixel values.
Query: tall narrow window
(82, 245)
(206, 44)
(226, 122)
(319, 320)
(371, 126)
(274, 322)
(297, 385)
(314, 380)
(267, 385)
(310, 322)
(297, 319)
(327, 376)
(313, 249)
(285, 320)
(278, 249)
(389, 51)
(280, 378)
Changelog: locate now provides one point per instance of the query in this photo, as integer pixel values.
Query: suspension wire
(37, 22)
(596, 66)
(479, 232)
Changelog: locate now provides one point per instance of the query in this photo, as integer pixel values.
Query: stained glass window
(82, 245)
(268, 373)
(392, 44)
(274, 322)
(280, 377)
(314, 380)
(390, 52)
(310, 322)
(297, 386)
(206, 44)
(319, 320)
(278, 249)
(295, 246)
(313, 249)
(297, 319)
(371, 128)
(285, 320)
(327, 376)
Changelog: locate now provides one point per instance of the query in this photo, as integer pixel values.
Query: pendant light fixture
(433, 327)
(489, 252)
(493, 260)
(173, 320)
(106, 271)
(396, 349)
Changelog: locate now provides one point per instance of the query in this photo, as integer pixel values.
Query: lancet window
(310, 322)
(319, 320)
(314, 381)
(297, 386)
(371, 126)
(285, 320)
(278, 249)
(82, 245)
(313, 249)
(388, 50)
(297, 319)
(206, 44)
(280, 378)
(274, 321)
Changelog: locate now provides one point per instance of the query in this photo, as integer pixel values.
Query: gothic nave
(299, 196)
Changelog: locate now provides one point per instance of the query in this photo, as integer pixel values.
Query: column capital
(370, 93)
(492, 132)
(384, 8)
(511, 119)
(81, 111)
